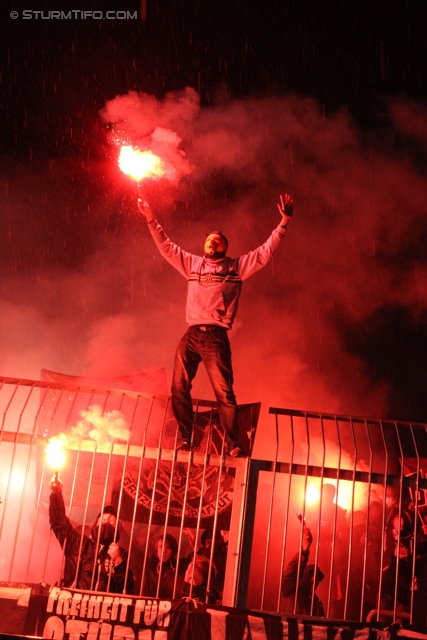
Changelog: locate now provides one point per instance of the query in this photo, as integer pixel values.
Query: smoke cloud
(307, 326)
(97, 425)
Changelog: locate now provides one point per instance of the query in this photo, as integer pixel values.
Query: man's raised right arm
(178, 258)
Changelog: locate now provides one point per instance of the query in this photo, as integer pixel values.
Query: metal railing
(349, 481)
(121, 451)
(332, 497)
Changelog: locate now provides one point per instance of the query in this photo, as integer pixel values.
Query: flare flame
(140, 164)
(55, 454)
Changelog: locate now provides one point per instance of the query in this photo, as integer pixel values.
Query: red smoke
(358, 203)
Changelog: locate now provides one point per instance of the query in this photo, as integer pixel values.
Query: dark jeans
(208, 344)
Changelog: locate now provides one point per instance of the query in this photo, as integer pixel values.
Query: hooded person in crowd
(95, 563)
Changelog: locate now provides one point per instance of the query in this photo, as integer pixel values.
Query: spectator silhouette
(308, 577)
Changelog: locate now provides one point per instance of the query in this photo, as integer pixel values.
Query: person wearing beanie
(214, 287)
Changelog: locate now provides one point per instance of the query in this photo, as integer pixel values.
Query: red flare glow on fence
(350, 496)
(140, 164)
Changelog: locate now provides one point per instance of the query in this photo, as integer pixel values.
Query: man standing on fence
(214, 287)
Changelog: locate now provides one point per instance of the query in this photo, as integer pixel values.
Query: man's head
(216, 244)
(105, 527)
(108, 515)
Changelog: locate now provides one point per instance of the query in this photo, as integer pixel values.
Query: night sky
(325, 100)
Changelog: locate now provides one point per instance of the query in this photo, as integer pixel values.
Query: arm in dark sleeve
(119, 576)
(60, 524)
(289, 578)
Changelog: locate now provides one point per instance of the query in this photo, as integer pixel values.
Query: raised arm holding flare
(214, 287)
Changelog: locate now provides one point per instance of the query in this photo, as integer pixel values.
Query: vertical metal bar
(73, 486)
(38, 501)
(396, 584)
(97, 543)
(138, 482)
(75, 467)
(153, 493)
(270, 515)
(414, 546)
(9, 481)
(77, 391)
(96, 571)
(386, 464)
(159, 579)
(350, 549)
(255, 467)
(235, 546)
(307, 433)
(76, 577)
(87, 503)
(316, 555)
(367, 531)
(190, 460)
(215, 524)
(285, 527)
(119, 504)
(27, 470)
(136, 497)
(168, 504)
(181, 525)
(205, 462)
(334, 533)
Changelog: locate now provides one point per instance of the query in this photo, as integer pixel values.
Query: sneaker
(185, 446)
(237, 452)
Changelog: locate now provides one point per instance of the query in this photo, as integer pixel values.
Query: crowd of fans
(370, 560)
(97, 562)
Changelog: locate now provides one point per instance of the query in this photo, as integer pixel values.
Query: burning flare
(55, 454)
(140, 164)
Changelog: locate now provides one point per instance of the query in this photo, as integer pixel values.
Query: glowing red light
(140, 164)
(55, 454)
